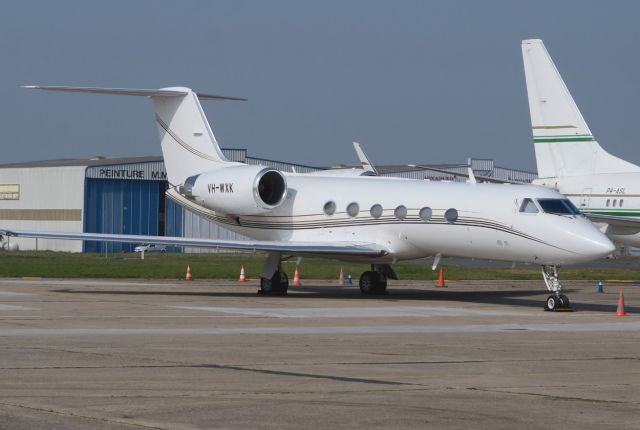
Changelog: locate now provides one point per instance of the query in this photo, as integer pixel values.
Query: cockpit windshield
(558, 207)
(528, 207)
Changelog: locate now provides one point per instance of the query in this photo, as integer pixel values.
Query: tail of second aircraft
(188, 144)
(563, 142)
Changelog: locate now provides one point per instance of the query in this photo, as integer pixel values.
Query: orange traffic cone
(296, 278)
(188, 277)
(242, 277)
(441, 278)
(621, 312)
(341, 278)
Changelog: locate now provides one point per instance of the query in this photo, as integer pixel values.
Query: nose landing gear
(556, 301)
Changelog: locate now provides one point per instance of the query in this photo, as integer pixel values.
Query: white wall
(45, 188)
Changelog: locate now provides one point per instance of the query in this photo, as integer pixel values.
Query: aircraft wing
(624, 222)
(336, 249)
(466, 175)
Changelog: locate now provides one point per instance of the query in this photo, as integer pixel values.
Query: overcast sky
(413, 81)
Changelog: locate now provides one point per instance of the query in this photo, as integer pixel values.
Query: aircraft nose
(583, 241)
(596, 245)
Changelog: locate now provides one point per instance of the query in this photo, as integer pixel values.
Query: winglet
(364, 160)
(472, 178)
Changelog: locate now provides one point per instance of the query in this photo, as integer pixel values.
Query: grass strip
(227, 266)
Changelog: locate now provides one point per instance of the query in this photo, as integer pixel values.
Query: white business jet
(370, 219)
(570, 160)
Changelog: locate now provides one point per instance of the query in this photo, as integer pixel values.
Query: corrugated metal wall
(196, 226)
(173, 219)
(281, 165)
(121, 207)
(481, 167)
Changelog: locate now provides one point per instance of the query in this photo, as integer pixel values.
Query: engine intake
(238, 190)
(271, 188)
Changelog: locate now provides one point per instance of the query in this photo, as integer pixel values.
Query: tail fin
(563, 142)
(188, 144)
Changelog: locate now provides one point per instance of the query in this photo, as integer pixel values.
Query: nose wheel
(556, 301)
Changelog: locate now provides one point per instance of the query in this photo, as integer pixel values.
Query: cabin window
(608, 201)
(376, 211)
(621, 200)
(614, 202)
(558, 207)
(353, 209)
(451, 215)
(425, 214)
(329, 208)
(400, 212)
(528, 207)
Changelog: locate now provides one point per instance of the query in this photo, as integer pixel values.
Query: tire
(552, 303)
(368, 281)
(372, 283)
(380, 287)
(284, 283)
(276, 286)
(565, 301)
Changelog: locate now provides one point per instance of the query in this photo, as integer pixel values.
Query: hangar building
(99, 195)
(127, 196)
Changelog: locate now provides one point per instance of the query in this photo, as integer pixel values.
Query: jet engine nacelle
(238, 190)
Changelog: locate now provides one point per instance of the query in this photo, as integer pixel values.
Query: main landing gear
(277, 285)
(374, 281)
(273, 280)
(556, 301)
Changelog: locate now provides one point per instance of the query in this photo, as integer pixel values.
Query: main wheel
(372, 283)
(565, 301)
(368, 281)
(380, 286)
(552, 303)
(276, 286)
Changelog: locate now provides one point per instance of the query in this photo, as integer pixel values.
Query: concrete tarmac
(105, 354)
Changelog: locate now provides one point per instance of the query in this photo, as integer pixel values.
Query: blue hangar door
(123, 207)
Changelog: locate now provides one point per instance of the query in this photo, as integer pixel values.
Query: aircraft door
(585, 198)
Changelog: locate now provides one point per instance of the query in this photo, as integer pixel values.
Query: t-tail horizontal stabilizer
(189, 146)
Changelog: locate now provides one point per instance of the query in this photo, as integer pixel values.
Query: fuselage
(414, 219)
(606, 194)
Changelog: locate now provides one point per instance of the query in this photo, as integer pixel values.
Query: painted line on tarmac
(86, 282)
(347, 312)
(16, 308)
(377, 330)
(13, 294)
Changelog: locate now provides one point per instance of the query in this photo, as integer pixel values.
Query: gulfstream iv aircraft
(570, 160)
(369, 219)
